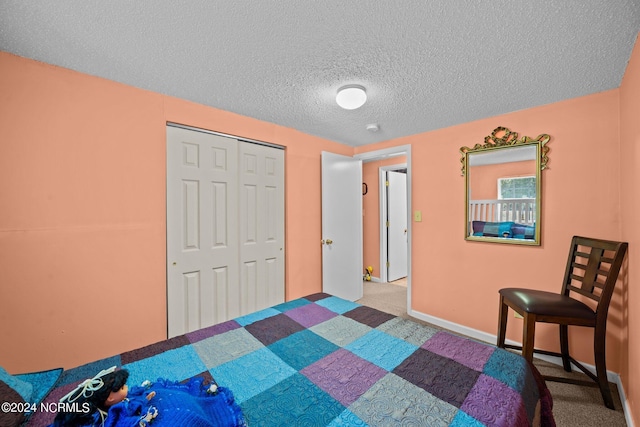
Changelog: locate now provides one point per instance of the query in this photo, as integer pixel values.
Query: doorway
(377, 254)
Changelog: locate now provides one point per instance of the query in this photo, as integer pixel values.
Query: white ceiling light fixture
(351, 97)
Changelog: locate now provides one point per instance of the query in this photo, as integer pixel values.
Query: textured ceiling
(426, 64)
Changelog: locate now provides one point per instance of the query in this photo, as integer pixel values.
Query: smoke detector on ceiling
(373, 127)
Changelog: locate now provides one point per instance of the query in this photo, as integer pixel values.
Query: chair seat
(548, 303)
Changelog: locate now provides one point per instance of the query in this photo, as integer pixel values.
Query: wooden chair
(592, 271)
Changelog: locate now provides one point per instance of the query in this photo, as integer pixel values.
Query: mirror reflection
(503, 188)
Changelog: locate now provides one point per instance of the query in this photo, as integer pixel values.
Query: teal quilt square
(290, 305)
(294, 401)
(252, 374)
(508, 368)
(303, 348)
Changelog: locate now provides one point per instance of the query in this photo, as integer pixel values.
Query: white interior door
(342, 226)
(202, 232)
(261, 227)
(397, 225)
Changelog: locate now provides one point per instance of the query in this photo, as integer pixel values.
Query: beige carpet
(572, 405)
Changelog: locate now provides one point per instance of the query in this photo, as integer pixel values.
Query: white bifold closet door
(225, 228)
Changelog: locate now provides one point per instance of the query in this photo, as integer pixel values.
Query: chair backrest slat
(585, 293)
(593, 267)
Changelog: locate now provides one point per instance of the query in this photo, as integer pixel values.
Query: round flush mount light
(351, 97)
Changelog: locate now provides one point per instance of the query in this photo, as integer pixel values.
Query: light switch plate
(417, 216)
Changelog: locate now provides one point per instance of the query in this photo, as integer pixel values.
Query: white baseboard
(492, 339)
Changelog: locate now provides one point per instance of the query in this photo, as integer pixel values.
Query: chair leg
(564, 347)
(502, 322)
(601, 368)
(528, 336)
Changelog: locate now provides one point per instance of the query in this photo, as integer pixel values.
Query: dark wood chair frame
(592, 287)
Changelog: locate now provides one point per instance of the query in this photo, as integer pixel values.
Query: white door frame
(383, 154)
(383, 214)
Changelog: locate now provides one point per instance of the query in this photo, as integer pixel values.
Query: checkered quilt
(325, 361)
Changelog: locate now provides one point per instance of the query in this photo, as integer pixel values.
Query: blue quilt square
(252, 374)
(381, 349)
(337, 305)
(303, 348)
(175, 365)
(295, 401)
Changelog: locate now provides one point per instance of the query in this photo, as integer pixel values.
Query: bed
(321, 360)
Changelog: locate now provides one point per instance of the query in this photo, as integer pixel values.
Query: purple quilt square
(211, 331)
(310, 315)
(446, 379)
(344, 375)
(469, 353)
(369, 316)
(45, 418)
(495, 404)
(153, 349)
(273, 328)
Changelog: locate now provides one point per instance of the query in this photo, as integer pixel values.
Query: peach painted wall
(484, 184)
(371, 208)
(82, 212)
(630, 203)
(458, 280)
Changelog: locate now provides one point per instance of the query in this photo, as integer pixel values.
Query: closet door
(261, 227)
(202, 230)
(225, 228)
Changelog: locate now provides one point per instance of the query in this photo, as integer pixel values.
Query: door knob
(328, 241)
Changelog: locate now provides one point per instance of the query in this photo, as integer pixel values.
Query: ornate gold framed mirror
(503, 187)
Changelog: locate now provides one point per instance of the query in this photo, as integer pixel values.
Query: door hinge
(388, 264)
(387, 224)
(386, 183)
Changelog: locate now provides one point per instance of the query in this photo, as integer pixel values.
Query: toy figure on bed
(106, 401)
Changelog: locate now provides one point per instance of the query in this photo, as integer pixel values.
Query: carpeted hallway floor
(572, 405)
